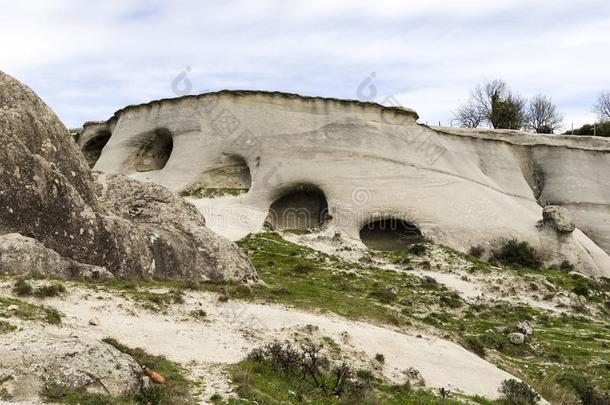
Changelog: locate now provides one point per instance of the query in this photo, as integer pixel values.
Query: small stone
(93, 322)
(392, 290)
(12, 308)
(525, 328)
(516, 338)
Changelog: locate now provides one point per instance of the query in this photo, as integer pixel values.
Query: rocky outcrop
(32, 364)
(23, 256)
(181, 245)
(48, 193)
(458, 187)
(558, 218)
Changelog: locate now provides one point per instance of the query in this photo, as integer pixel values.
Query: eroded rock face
(31, 363)
(458, 187)
(47, 193)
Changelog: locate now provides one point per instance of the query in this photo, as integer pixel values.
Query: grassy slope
(303, 278)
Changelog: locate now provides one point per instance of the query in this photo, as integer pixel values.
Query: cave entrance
(155, 151)
(93, 148)
(303, 207)
(229, 176)
(390, 234)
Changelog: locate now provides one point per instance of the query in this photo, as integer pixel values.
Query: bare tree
(602, 106)
(542, 115)
(492, 103)
(468, 115)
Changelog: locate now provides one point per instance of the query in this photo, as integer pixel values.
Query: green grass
(300, 277)
(212, 192)
(262, 383)
(560, 343)
(28, 312)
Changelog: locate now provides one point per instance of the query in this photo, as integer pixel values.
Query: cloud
(89, 59)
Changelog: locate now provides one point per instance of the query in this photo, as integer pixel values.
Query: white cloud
(89, 59)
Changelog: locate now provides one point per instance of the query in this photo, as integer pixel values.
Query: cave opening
(390, 234)
(302, 207)
(155, 151)
(93, 148)
(230, 175)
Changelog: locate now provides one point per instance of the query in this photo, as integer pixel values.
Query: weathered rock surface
(181, 244)
(461, 188)
(48, 193)
(23, 256)
(31, 363)
(559, 218)
(516, 338)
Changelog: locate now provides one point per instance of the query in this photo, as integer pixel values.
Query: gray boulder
(31, 363)
(558, 218)
(516, 338)
(23, 256)
(525, 328)
(181, 245)
(48, 193)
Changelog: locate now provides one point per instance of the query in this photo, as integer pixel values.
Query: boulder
(516, 338)
(31, 363)
(48, 193)
(181, 245)
(23, 256)
(559, 218)
(525, 328)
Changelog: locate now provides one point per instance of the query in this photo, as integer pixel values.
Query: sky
(88, 59)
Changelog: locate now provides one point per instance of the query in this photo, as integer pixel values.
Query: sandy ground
(230, 330)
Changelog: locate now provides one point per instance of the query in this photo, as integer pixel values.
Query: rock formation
(48, 194)
(350, 166)
(32, 363)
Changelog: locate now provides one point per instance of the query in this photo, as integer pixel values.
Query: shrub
(383, 295)
(52, 290)
(476, 251)
(380, 358)
(566, 266)
(303, 268)
(22, 288)
(518, 393)
(520, 254)
(586, 391)
(451, 300)
(476, 345)
(418, 249)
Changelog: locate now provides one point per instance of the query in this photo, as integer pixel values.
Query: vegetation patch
(14, 308)
(282, 373)
(519, 254)
(213, 192)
